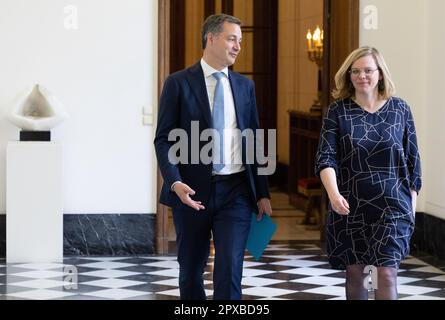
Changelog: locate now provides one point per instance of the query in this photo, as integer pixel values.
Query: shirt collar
(208, 70)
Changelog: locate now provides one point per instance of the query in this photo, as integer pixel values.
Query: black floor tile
(306, 296)
(295, 286)
(428, 284)
(437, 294)
(283, 276)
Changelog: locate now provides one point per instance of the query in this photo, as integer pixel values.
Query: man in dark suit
(214, 197)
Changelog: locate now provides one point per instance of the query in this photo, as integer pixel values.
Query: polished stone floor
(291, 271)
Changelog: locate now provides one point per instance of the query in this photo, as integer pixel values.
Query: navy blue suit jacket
(183, 100)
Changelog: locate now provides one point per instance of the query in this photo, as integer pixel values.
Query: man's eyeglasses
(358, 72)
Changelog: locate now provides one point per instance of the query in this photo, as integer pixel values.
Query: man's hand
(263, 207)
(184, 192)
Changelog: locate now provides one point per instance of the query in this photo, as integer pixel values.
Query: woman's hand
(340, 205)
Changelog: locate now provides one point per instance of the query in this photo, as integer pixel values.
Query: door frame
(162, 225)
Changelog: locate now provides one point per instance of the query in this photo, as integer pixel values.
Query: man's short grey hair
(214, 25)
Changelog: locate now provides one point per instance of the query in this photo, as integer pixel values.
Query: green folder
(260, 234)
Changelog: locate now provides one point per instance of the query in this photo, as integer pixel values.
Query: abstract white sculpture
(36, 109)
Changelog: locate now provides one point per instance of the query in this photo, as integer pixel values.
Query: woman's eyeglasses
(367, 71)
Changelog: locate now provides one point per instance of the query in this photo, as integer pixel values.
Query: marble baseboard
(2, 235)
(129, 234)
(429, 235)
(108, 234)
(102, 234)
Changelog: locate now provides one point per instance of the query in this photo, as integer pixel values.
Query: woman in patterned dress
(369, 164)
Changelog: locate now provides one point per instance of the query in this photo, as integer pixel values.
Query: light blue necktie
(218, 121)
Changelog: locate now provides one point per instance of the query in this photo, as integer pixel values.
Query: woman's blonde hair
(343, 85)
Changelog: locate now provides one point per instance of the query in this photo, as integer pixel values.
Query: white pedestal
(34, 202)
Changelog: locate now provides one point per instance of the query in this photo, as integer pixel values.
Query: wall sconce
(315, 54)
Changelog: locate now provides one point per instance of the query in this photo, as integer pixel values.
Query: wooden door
(341, 25)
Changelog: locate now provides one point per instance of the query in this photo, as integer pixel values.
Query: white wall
(409, 34)
(435, 108)
(103, 72)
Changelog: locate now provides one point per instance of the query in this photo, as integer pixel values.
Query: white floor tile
(39, 266)
(250, 264)
(174, 282)
(255, 272)
(420, 297)
(41, 294)
(311, 248)
(289, 257)
(414, 290)
(175, 292)
(277, 246)
(113, 283)
(166, 273)
(277, 249)
(109, 273)
(266, 292)
(41, 283)
(438, 278)
(163, 258)
(106, 265)
(320, 280)
(328, 290)
(105, 258)
(428, 269)
(172, 292)
(415, 261)
(405, 280)
(310, 271)
(259, 282)
(338, 298)
(116, 293)
(163, 264)
(298, 263)
(40, 274)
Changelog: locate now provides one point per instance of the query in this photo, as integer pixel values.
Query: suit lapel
(196, 80)
(237, 88)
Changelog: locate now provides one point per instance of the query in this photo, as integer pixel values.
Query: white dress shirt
(232, 143)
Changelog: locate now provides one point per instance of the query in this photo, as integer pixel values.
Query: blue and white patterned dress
(377, 162)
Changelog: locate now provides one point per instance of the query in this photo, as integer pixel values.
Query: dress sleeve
(326, 156)
(412, 152)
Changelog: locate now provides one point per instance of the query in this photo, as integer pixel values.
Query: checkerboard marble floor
(295, 272)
